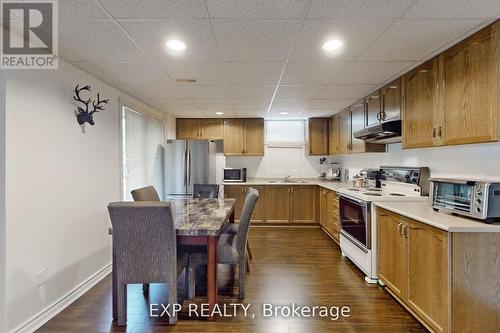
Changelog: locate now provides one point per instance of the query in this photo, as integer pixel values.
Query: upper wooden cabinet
(373, 108)
(344, 118)
(334, 135)
(244, 137)
(187, 128)
(318, 136)
(470, 89)
(391, 101)
(420, 103)
(357, 123)
(212, 129)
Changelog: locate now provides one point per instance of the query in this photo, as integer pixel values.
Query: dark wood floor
(302, 265)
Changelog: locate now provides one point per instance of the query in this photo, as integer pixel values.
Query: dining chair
(147, 193)
(231, 248)
(145, 247)
(205, 191)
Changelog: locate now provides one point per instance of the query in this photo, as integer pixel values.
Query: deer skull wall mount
(83, 115)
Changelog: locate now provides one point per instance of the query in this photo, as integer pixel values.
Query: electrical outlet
(41, 277)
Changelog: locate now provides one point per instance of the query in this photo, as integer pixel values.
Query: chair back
(147, 193)
(205, 191)
(245, 218)
(144, 240)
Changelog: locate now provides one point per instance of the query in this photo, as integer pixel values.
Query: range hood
(388, 132)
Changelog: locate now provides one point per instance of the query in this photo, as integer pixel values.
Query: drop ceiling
(256, 57)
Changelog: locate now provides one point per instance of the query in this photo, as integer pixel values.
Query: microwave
(473, 198)
(235, 175)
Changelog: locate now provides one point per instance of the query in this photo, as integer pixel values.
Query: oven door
(355, 221)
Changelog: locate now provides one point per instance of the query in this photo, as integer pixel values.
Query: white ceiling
(258, 57)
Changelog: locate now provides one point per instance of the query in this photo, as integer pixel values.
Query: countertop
(422, 212)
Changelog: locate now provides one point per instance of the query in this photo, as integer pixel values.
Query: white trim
(36, 321)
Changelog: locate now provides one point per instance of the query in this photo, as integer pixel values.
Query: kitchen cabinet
(277, 204)
(334, 135)
(373, 108)
(239, 193)
(391, 101)
(318, 136)
(470, 89)
(244, 137)
(304, 203)
(345, 131)
(188, 129)
(420, 105)
(329, 213)
(357, 123)
(212, 129)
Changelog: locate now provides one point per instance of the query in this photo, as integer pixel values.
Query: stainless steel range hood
(388, 132)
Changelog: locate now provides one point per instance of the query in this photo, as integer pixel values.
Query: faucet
(286, 179)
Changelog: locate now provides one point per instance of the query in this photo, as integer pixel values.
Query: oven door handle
(354, 200)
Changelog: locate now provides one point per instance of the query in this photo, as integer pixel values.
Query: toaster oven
(473, 198)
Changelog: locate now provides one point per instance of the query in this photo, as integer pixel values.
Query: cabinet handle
(405, 231)
(399, 228)
(434, 132)
(439, 131)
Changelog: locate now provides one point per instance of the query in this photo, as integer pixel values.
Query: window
(142, 144)
(285, 133)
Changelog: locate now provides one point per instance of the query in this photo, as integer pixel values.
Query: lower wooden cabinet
(239, 193)
(277, 204)
(329, 213)
(304, 204)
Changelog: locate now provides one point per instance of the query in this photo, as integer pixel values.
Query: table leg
(212, 273)
(231, 217)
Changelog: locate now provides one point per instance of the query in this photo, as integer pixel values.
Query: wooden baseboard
(36, 321)
(330, 235)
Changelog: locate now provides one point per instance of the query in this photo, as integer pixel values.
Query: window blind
(285, 133)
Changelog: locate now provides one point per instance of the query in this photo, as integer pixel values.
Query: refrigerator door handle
(185, 167)
(189, 167)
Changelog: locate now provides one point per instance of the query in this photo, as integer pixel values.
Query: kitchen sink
(288, 181)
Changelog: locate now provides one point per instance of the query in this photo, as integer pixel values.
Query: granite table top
(201, 217)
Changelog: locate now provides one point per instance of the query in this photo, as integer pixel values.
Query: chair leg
(250, 256)
(172, 299)
(145, 288)
(122, 304)
(248, 265)
(242, 272)
(190, 280)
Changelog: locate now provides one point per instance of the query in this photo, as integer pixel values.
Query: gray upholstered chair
(205, 191)
(144, 241)
(231, 248)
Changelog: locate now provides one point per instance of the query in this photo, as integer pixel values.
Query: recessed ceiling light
(283, 113)
(219, 113)
(176, 45)
(332, 45)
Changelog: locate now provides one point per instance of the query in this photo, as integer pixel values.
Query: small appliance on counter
(479, 199)
(335, 174)
(236, 175)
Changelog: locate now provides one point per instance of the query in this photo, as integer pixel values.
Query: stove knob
(478, 209)
(479, 201)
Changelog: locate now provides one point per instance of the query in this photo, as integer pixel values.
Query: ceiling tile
(153, 91)
(213, 104)
(455, 9)
(80, 10)
(152, 35)
(246, 104)
(416, 40)
(257, 9)
(357, 72)
(289, 104)
(358, 8)
(96, 41)
(305, 73)
(188, 113)
(211, 113)
(156, 9)
(251, 91)
(125, 72)
(175, 104)
(255, 40)
(329, 104)
(252, 72)
(357, 35)
(316, 113)
(202, 72)
(252, 113)
(200, 91)
(346, 91)
(297, 92)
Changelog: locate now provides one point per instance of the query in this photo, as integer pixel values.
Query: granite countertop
(422, 212)
(201, 217)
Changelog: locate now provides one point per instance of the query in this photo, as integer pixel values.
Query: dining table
(198, 222)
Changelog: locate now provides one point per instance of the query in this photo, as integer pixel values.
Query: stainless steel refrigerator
(188, 162)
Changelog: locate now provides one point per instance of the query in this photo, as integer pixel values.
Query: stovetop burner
(373, 194)
(374, 189)
(354, 189)
(397, 194)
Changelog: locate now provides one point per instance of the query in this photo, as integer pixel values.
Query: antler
(97, 104)
(79, 99)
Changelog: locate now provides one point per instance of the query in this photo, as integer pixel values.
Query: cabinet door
(254, 137)
(235, 192)
(427, 257)
(471, 89)
(234, 137)
(304, 204)
(322, 206)
(357, 123)
(259, 209)
(318, 136)
(333, 135)
(420, 106)
(277, 204)
(391, 100)
(212, 129)
(345, 131)
(391, 259)
(373, 109)
(187, 128)
(332, 211)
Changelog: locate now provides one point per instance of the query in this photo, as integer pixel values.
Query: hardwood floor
(300, 265)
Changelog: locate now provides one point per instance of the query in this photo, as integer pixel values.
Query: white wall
(58, 184)
(469, 161)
